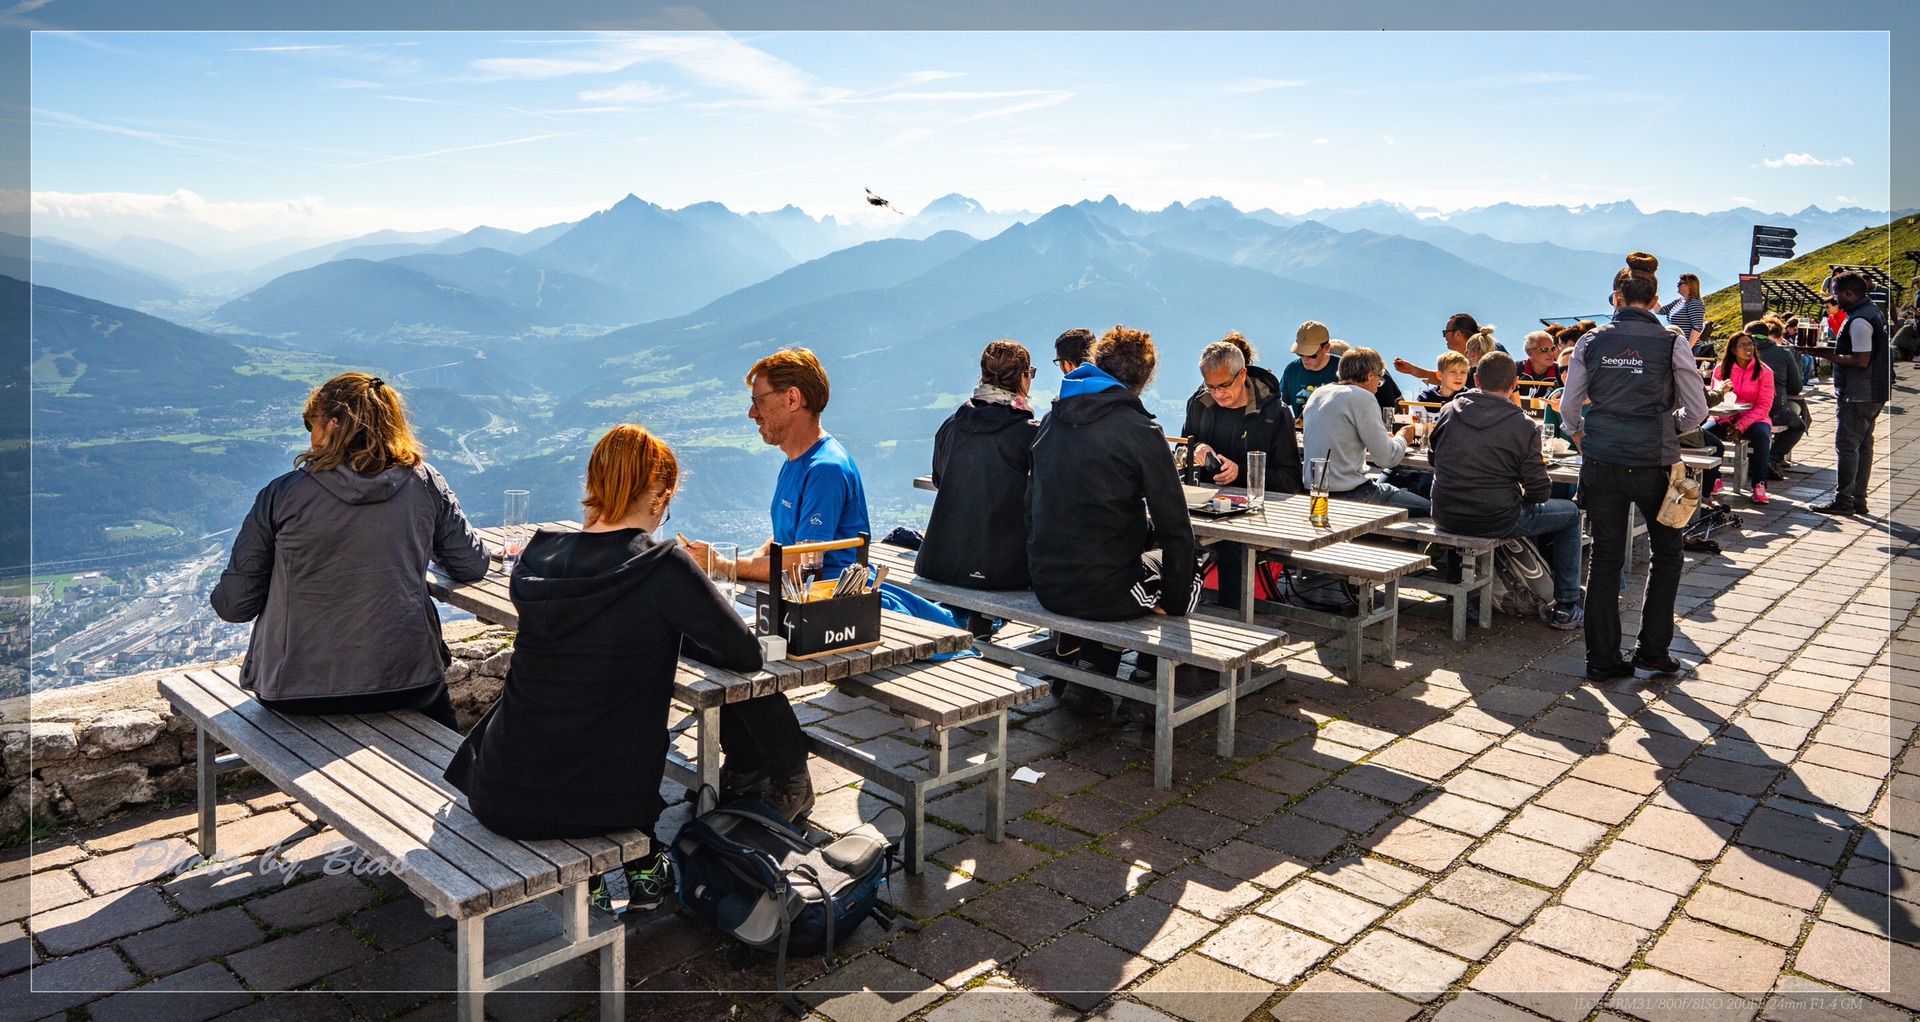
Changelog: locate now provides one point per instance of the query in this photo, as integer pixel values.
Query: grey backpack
(1522, 581)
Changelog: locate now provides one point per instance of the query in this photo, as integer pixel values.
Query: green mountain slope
(1875, 246)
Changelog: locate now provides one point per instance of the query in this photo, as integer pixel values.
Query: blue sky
(340, 133)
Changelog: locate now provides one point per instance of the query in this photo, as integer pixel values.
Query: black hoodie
(977, 535)
(1486, 463)
(579, 733)
(1100, 467)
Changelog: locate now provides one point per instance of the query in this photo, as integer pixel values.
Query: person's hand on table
(1228, 472)
(1406, 432)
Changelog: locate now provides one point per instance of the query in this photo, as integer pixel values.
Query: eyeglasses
(759, 396)
(1031, 371)
(1065, 366)
(306, 424)
(1227, 387)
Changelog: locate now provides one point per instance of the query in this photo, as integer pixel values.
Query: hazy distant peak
(632, 204)
(952, 203)
(707, 208)
(1211, 202)
(1623, 206)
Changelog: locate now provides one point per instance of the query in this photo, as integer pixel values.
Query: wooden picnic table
(704, 688)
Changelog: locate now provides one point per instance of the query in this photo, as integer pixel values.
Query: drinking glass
(723, 568)
(1256, 480)
(513, 526)
(1317, 506)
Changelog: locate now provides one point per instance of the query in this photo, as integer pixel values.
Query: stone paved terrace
(1474, 834)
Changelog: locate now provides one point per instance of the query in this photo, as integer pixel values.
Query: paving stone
(1491, 894)
(1668, 873)
(1696, 800)
(52, 988)
(1769, 876)
(1621, 772)
(1591, 801)
(1596, 938)
(1344, 809)
(1459, 813)
(1499, 791)
(16, 949)
(1282, 775)
(1332, 997)
(935, 889)
(314, 901)
(313, 1007)
(1389, 786)
(1096, 879)
(1372, 879)
(1149, 928)
(1079, 969)
(1558, 829)
(38, 857)
(995, 1004)
(1297, 835)
(1472, 1007)
(1534, 770)
(1267, 950)
(1635, 904)
(1025, 912)
(197, 890)
(1395, 963)
(1322, 910)
(1803, 1000)
(389, 982)
(1861, 961)
(195, 995)
(1191, 826)
(1417, 843)
(1727, 775)
(1095, 814)
(400, 922)
(869, 989)
(298, 959)
(1128, 1011)
(137, 865)
(82, 925)
(1149, 850)
(1795, 836)
(1200, 990)
(994, 862)
(1248, 861)
(968, 807)
(1553, 985)
(1449, 927)
(1528, 860)
(1717, 958)
(1661, 997)
(1237, 800)
(38, 893)
(1678, 833)
(1204, 892)
(175, 946)
(1421, 760)
(1763, 919)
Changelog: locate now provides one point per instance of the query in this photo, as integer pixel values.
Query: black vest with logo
(1874, 382)
(1629, 365)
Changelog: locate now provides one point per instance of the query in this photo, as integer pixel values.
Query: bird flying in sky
(875, 200)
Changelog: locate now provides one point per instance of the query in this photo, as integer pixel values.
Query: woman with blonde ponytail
(330, 564)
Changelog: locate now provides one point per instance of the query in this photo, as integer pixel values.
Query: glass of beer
(1317, 493)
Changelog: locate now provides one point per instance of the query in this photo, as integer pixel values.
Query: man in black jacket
(1489, 480)
(1238, 409)
(1101, 467)
(1863, 381)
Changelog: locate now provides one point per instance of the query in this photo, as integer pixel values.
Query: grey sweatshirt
(331, 567)
(1343, 425)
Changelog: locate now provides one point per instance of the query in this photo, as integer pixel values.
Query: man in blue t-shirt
(819, 495)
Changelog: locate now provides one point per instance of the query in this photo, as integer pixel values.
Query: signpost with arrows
(1771, 243)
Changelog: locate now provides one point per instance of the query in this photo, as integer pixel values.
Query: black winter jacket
(1486, 463)
(977, 535)
(331, 568)
(1266, 424)
(1100, 467)
(579, 733)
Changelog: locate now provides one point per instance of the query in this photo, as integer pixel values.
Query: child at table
(577, 743)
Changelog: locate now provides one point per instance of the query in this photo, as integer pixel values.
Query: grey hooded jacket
(331, 568)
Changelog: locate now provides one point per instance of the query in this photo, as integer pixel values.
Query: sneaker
(649, 878)
(1609, 672)
(1568, 617)
(1718, 485)
(791, 797)
(1662, 664)
(1836, 506)
(1759, 493)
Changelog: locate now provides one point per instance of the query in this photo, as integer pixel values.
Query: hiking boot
(1759, 493)
(791, 797)
(1568, 617)
(1664, 663)
(649, 878)
(739, 784)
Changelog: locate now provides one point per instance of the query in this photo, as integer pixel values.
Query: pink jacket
(1751, 388)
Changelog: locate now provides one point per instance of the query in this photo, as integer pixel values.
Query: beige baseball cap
(1338, 346)
(1309, 338)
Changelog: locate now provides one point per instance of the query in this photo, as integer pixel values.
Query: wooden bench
(1476, 570)
(376, 778)
(1374, 571)
(1226, 648)
(941, 696)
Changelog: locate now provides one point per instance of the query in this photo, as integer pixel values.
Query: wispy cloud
(632, 94)
(1806, 160)
(1388, 139)
(453, 149)
(26, 6)
(1244, 86)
